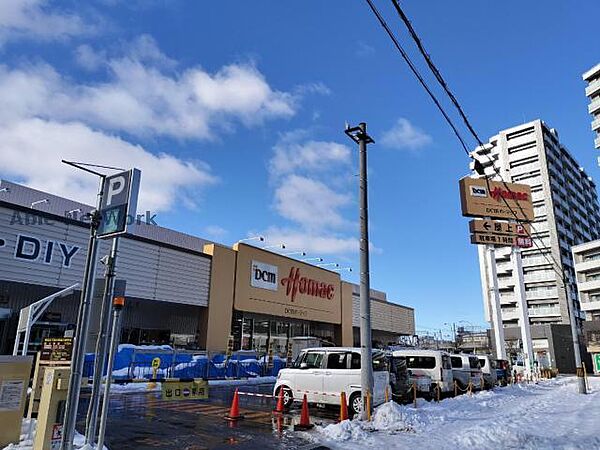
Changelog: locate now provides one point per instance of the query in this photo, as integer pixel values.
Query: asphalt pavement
(143, 420)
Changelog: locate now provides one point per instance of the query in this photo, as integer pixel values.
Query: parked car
(465, 369)
(403, 379)
(488, 370)
(322, 373)
(503, 372)
(432, 363)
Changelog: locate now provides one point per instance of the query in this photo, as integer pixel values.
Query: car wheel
(355, 405)
(288, 397)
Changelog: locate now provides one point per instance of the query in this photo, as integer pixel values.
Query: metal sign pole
(523, 311)
(495, 303)
(83, 319)
(101, 344)
(575, 336)
(118, 304)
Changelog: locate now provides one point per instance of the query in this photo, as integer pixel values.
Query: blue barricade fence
(136, 362)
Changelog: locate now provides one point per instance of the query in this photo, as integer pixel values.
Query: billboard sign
(480, 197)
(119, 203)
(264, 276)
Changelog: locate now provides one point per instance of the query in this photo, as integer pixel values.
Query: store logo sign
(263, 276)
(296, 284)
(479, 191)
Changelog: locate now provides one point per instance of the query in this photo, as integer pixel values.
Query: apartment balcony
(504, 267)
(505, 282)
(541, 294)
(586, 266)
(592, 88)
(537, 261)
(546, 311)
(594, 106)
(597, 142)
(588, 286)
(596, 124)
(510, 314)
(590, 306)
(508, 299)
(539, 276)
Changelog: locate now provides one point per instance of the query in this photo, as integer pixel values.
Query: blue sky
(235, 111)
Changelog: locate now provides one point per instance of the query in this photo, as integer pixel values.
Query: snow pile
(26, 442)
(550, 414)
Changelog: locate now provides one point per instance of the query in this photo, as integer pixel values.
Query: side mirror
(303, 365)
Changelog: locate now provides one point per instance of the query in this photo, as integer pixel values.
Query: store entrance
(259, 332)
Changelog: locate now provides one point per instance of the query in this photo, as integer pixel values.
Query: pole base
(233, 418)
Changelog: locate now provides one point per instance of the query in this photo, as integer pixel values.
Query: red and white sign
(295, 284)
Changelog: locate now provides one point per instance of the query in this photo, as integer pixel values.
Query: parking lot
(143, 420)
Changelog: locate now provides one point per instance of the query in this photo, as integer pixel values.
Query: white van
(488, 369)
(322, 373)
(465, 369)
(433, 363)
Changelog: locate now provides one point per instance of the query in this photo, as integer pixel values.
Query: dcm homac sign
(495, 199)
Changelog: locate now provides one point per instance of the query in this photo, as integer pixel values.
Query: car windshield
(482, 362)
(420, 362)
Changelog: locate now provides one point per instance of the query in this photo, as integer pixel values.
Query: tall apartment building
(592, 91)
(566, 213)
(587, 271)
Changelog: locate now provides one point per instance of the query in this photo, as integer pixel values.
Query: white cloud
(314, 243)
(31, 151)
(88, 58)
(404, 135)
(310, 203)
(143, 97)
(292, 154)
(32, 19)
(214, 232)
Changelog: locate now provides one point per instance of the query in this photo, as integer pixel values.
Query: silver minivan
(322, 373)
(488, 368)
(465, 369)
(433, 363)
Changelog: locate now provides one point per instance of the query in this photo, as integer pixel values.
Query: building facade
(566, 213)
(180, 289)
(587, 271)
(592, 91)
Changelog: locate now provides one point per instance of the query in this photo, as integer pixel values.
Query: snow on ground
(548, 415)
(27, 436)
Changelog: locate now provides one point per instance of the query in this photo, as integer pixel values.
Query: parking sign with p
(119, 203)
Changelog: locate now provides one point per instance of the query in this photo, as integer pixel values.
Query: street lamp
(295, 253)
(39, 202)
(328, 265)
(268, 247)
(253, 238)
(343, 269)
(312, 259)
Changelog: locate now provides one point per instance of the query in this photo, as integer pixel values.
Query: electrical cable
(444, 85)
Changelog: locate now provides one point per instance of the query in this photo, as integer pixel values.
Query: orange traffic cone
(304, 417)
(279, 409)
(343, 407)
(234, 411)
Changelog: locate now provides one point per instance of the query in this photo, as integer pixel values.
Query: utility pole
(101, 344)
(359, 135)
(83, 320)
(575, 336)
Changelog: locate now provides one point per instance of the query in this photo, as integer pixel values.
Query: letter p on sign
(116, 185)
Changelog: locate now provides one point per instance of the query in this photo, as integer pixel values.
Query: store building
(180, 289)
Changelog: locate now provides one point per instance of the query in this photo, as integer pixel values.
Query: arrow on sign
(486, 225)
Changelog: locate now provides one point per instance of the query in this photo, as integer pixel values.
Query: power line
(446, 88)
(416, 73)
